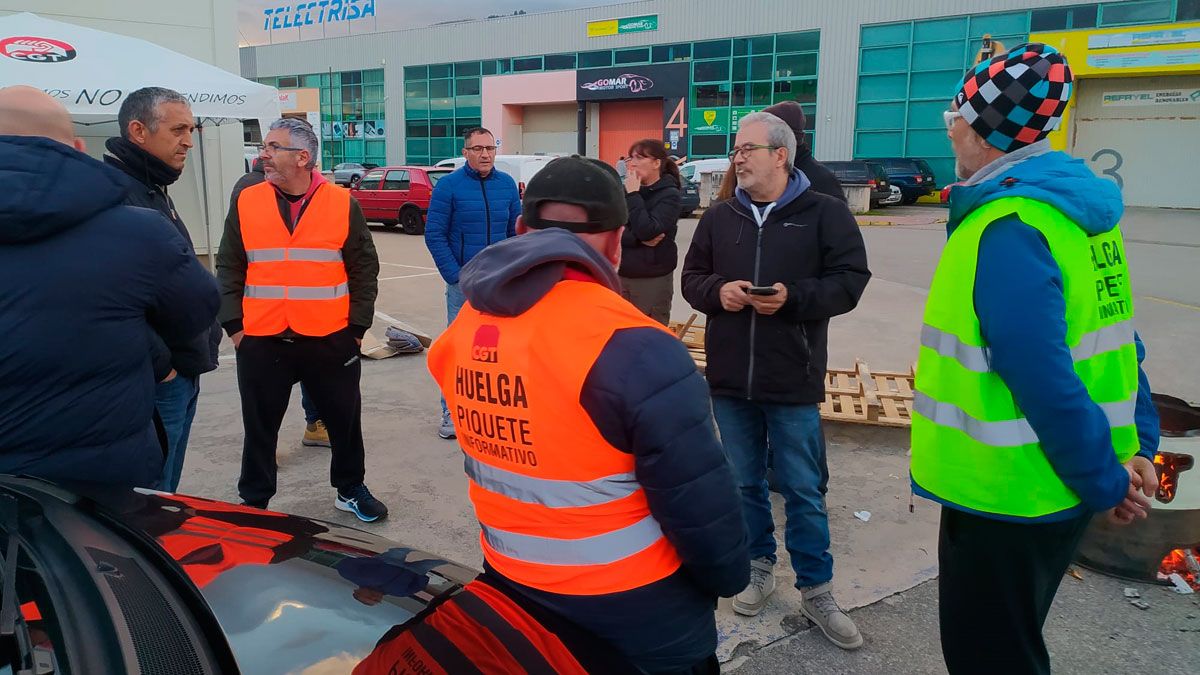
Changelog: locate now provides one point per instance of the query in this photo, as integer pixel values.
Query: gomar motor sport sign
(634, 84)
(36, 49)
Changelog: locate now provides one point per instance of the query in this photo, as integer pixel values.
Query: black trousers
(267, 369)
(996, 584)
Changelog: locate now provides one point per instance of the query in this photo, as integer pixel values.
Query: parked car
(520, 167)
(946, 192)
(398, 195)
(692, 170)
(914, 176)
(689, 198)
(863, 172)
(105, 580)
(348, 172)
(896, 198)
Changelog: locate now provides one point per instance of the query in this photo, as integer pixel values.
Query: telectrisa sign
(315, 13)
(634, 84)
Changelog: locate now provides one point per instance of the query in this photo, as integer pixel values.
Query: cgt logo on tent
(36, 49)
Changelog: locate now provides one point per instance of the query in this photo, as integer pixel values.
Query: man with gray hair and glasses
(156, 126)
(299, 275)
(769, 268)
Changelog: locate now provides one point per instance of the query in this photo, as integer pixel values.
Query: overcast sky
(389, 15)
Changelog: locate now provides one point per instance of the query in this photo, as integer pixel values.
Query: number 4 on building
(677, 121)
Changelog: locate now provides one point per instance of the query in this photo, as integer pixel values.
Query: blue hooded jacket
(467, 213)
(1021, 309)
(85, 282)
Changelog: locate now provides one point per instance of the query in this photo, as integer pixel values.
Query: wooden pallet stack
(856, 395)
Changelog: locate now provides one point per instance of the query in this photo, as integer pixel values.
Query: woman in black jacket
(648, 251)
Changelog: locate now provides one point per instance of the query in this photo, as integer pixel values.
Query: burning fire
(1185, 562)
(1169, 465)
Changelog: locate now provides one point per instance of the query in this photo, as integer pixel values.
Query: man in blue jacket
(87, 283)
(156, 135)
(1031, 413)
(472, 208)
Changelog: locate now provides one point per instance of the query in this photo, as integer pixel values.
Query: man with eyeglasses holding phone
(299, 275)
(769, 268)
(474, 207)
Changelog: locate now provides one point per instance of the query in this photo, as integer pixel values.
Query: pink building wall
(505, 95)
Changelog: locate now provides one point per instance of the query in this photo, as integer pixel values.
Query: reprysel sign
(634, 84)
(36, 49)
(629, 24)
(316, 13)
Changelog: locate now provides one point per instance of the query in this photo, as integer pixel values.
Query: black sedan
(113, 581)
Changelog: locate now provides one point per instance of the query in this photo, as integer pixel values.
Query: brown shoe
(316, 435)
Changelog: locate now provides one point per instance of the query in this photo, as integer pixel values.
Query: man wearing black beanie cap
(822, 179)
(601, 496)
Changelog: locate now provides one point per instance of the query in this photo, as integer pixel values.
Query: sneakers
(820, 608)
(316, 435)
(446, 430)
(762, 584)
(359, 501)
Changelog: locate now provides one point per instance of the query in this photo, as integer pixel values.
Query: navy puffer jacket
(467, 213)
(86, 281)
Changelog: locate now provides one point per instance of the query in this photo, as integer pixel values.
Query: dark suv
(914, 177)
(861, 172)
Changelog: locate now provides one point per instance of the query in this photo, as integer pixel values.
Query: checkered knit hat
(1016, 98)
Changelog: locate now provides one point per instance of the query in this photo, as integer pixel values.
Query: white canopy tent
(91, 72)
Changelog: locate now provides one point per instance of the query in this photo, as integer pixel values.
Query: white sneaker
(446, 430)
(820, 608)
(762, 584)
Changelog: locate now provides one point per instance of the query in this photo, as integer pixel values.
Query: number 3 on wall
(1111, 172)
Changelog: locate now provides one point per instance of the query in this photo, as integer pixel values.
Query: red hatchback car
(398, 195)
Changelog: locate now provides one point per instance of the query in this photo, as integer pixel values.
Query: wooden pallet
(856, 395)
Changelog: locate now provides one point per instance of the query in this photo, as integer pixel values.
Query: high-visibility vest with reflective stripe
(295, 279)
(971, 443)
(478, 630)
(560, 508)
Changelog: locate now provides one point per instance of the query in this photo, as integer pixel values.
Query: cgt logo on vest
(486, 346)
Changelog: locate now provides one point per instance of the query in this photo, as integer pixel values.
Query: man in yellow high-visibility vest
(1031, 412)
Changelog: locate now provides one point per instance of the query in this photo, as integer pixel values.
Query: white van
(520, 167)
(691, 170)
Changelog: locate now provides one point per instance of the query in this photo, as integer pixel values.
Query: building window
(527, 65)
(667, 53)
(798, 42)
(560, 62)
(710, 95)
(717, 49)
(600, 59)
(440, 70)
(1187, 10)
(764, 44)
(632, 56)
(1058, 18)
(709, 146)
(710, 71)
(1125, 13)
(467, 69)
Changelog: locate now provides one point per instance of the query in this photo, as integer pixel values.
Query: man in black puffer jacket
(769, 268)
(156, 134)
(87, 282)
(822, 179)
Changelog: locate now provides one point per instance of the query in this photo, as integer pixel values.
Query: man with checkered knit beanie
(1032, 413)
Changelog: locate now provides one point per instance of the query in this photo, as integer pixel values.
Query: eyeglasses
(950, 116)
(746, 149)
(272, 148)
(482, 148)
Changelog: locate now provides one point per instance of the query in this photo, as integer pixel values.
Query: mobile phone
(760, 290)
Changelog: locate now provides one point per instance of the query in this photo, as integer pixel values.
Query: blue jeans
(311, 414)
(175, 402)
(454, 303)
(801, 474)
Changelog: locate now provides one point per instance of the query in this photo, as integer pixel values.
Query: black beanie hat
(581, 181)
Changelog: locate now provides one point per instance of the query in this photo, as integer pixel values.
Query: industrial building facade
(873, 77)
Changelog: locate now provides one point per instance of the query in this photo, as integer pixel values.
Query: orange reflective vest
(295, 279)
(478, 630)
(560, 508)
